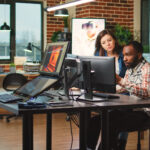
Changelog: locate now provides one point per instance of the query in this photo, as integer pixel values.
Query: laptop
(50, 73)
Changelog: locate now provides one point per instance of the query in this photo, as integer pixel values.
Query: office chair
(139, 129)
(12, 82)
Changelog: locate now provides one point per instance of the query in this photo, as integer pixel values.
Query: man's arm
(140, 90)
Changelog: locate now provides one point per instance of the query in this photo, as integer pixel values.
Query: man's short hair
(136, 45)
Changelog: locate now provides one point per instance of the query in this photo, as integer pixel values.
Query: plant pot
(65, 29)
(12, 69)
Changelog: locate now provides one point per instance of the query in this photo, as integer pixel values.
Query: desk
(27, 115)
(125, 102)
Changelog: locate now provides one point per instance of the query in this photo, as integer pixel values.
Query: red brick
(118, 12)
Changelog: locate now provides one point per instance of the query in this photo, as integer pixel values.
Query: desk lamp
(30, 47)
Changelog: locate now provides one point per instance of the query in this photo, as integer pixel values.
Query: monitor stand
(93, 99)
(71, 92)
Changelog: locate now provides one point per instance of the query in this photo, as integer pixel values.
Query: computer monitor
(98, 73)
(54, 57)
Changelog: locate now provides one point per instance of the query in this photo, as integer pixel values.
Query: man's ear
(140, 56)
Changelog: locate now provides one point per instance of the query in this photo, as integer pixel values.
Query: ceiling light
(69, 4)
(61, 12)
(5, 26)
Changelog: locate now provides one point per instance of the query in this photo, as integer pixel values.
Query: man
(137, 78)
(137, 83)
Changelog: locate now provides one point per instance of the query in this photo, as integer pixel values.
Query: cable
(75, 119)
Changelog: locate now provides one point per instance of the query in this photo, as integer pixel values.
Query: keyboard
(7, 98)
(104, 95)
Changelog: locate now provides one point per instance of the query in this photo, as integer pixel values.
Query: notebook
(50, 71)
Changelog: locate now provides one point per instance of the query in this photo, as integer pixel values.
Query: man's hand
(118, 78)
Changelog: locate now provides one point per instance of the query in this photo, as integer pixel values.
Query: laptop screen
(53, 58)
(36, 86)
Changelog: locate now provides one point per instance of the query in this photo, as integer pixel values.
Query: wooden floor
(11, 134)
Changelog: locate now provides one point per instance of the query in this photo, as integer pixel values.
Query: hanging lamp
(61, 13)
(5, 26)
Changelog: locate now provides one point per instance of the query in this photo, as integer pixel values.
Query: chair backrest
(13, 81)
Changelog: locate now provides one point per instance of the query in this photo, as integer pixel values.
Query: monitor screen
(53, 58)
(100, 71)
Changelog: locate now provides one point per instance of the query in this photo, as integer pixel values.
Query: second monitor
(98, 74)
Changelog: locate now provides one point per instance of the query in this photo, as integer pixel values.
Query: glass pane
(4, 35)
(145, 26)
(28, 30)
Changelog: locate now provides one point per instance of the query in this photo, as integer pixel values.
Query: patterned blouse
(137, 80)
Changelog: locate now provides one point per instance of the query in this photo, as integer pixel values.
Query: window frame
(13, 29)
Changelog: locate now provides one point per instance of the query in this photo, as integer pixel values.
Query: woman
(107, 45)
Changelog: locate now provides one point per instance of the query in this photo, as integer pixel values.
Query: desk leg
(105, 130)
(83, 129)
(28, 131)
(49, 132)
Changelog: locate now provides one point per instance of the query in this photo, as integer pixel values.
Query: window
(4, 35)
(26, 27)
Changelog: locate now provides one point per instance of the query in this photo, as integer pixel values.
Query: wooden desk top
(125, 102)
(77, 106)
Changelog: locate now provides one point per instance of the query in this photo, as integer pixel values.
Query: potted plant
(65, 19)
(122, 34)
(55, 36)
(12, 67)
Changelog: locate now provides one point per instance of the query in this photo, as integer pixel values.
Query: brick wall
(114, 11)
(6, 67)
(53, 23)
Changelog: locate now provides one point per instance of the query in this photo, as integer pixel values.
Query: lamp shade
(29, 47)
(61, 12)
(5, 26)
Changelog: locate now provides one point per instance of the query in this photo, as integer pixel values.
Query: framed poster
(84, 33)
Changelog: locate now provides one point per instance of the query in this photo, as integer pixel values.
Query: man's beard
(134, 63)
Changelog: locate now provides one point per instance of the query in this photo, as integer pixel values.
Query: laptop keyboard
(7, 98)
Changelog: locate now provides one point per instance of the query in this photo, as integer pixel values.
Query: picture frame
(84, 33)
